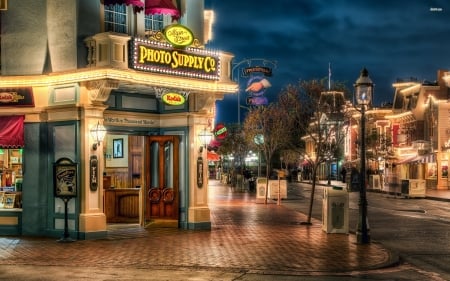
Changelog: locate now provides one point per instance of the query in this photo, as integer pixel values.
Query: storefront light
(205, 138)
(98, 133)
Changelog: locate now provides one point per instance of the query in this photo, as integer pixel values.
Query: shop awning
(213, 156)
(161, 7)
(409, 159)
(428, 158)
(138, 5)
(11, 131)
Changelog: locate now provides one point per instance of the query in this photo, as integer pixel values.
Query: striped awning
(162, 7)
(427, 158)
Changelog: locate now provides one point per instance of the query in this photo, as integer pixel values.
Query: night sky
(392, 39)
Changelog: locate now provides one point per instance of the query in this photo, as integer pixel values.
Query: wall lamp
(98, 133)
(205, 138)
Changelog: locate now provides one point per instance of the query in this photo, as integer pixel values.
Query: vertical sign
(200, 171)
(93, 174)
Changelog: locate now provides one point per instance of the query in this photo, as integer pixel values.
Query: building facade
(406, 143)
(69, 70)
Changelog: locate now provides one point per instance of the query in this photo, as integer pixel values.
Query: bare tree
(317, 115)
(266, 128)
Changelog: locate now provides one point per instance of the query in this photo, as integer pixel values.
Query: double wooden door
(162, 178)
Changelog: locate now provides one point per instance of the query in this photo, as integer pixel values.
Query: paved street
(248, 241)
(416, 229)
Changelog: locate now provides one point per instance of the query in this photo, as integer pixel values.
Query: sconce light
(98, 133)
(205, 138)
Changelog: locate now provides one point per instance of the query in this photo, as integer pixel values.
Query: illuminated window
(116, 18)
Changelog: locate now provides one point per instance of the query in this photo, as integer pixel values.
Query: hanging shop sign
(221, 132)
(173, 99)
(159, 57)
(16, 97)
(267, 71)
(178, 35)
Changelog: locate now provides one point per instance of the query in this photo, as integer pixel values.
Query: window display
(10, 178)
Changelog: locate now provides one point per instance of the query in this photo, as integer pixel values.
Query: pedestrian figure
(343, 174)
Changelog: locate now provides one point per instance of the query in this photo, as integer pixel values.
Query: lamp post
(363, 95)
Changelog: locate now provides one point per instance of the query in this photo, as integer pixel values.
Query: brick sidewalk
(245, 236)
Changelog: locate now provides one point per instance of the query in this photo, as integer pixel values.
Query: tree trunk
(313, 189)
(267, 182)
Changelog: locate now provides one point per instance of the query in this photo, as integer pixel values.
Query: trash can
(276, 186)
(261, 188)
(335, 210)
(405, 186)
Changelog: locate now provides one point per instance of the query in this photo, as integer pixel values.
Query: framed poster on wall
(117, 148)
(65, 178)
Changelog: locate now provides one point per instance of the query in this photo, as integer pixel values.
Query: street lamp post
(363, 93)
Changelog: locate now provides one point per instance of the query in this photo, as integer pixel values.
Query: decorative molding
(203, 102)
(99, 90)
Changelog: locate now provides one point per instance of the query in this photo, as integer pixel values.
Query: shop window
(133, 102)
(116, 18)
(10, 178)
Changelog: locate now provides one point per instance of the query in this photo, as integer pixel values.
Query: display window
(10, 178)
(444, 169)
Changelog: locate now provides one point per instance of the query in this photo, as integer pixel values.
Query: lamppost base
(362, 238)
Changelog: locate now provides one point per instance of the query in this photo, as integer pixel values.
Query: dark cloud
(393, 39)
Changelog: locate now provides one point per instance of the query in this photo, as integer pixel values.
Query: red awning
(137, 4)
(213, 156)
(11, 131)
(161, 7)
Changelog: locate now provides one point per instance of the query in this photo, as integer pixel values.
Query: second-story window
(116, 18)
(154, 23)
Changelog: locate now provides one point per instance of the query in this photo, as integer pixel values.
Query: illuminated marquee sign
(159, 57)
(16, 97)
(173, 99)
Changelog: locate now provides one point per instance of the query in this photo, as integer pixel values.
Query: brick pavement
(245, 236)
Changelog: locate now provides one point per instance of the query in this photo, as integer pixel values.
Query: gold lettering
(175, 59)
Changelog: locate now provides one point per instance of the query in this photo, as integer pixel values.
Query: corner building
(70, 69)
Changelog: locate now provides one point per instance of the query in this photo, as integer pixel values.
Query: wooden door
(162, 184)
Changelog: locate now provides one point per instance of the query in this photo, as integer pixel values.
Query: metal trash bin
(335, 210)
